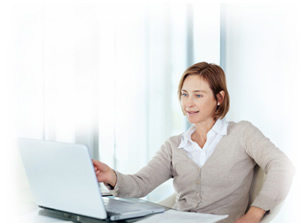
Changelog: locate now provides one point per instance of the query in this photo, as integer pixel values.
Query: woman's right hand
(104, 173)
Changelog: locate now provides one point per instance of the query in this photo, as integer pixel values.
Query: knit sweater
(222, 185)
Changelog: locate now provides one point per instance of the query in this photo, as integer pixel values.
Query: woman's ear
(220, 97)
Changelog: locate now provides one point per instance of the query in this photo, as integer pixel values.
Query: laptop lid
(61, 176)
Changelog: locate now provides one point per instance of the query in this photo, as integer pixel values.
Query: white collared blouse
(194, 151)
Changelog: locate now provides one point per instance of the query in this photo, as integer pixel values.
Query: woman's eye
(198, 95)
(184, 94)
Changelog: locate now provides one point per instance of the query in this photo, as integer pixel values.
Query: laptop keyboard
(119, 206)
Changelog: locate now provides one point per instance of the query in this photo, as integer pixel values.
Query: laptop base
(80, 219)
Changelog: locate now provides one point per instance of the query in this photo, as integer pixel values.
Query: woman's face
(197, 100)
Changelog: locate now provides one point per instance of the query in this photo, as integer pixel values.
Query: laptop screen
(61, 176)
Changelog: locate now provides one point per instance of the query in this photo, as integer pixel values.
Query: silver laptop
(62, 178)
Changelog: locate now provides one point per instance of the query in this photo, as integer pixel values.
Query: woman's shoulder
(174, 140)
(239, 123)
(170, 144)
(239, 127)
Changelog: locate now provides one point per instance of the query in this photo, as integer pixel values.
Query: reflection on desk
(41, 215)
(172, 216)
(37, 217)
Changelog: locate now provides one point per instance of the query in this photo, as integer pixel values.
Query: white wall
(261, 59)
(103, 73)
(259, 52)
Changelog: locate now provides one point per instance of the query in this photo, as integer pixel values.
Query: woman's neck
(200, 134)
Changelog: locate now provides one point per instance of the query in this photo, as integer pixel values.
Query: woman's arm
(275, 164)
(253, 215)
(157, 171)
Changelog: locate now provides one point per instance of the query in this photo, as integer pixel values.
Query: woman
(211, 163)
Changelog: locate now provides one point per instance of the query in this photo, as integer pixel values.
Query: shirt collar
(220, 127)
(186, 136)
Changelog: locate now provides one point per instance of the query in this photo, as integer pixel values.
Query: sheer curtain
(105, 73)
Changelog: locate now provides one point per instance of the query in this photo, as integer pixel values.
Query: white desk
(44, 216)
(35, 217)
(172, 216)
(40, 215)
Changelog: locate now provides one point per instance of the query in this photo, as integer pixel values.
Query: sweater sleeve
(275, 164)
(157, 171)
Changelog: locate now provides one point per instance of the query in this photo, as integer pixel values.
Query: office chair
(256, 186)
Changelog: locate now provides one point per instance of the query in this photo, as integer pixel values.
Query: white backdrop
(105, 74)
(261, 58)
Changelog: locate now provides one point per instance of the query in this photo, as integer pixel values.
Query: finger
(100, 177)
(97, 164)
(94, 162)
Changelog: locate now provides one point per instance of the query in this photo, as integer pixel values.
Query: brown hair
(215, 77)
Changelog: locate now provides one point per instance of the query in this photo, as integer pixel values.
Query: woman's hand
(253, 215)
(104, 173)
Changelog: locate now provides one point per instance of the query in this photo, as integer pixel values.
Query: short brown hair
(215, 76)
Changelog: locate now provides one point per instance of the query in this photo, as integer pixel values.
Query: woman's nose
(189, 102)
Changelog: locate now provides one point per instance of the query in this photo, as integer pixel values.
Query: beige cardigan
(222, 185)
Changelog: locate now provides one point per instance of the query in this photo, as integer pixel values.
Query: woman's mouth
(192, 112)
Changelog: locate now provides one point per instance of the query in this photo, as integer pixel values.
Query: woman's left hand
(253, 215)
